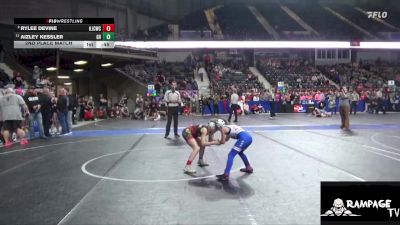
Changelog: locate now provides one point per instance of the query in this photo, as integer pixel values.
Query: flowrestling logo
(377, 14)
(342, 202)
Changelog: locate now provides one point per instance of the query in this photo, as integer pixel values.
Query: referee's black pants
(234, 108)
(172, 112)
(46, 117)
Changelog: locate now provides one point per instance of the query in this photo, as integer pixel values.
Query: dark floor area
(125, 172)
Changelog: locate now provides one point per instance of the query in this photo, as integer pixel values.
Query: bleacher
(329, 26)
(157, 33)
(278, 18)
(296, 75)
(243, 27)
(243, 80)
(360, 19)
(247, 27)
(370, 76)
(146, 73)
(194, 21)
(180, 73)
(35, 57)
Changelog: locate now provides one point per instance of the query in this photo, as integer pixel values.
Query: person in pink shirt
(317, 97)
(278, 96)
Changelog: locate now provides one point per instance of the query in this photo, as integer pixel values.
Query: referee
(344, 109)
(173, 100)
(234, 105)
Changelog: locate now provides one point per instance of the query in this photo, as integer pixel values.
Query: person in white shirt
(173, 100)
(380, 106)
(256, 98)
(234, 105)
(354, 100)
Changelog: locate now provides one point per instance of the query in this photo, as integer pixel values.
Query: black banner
(345, 203)
(63, 20)
(59, 28)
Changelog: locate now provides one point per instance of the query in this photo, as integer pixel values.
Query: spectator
(18, 81)
(354, 97)
(55, 123)
(62, 108)
(256, 98)
(153, 110)
(215, 104)
(89, 109)
(46, 104)
(72, 105)
(380, 107)
(37, 72)
(10, 106)
(207, 103)
(32, 100)
(124, 100)
(332, 103)
(138, 113)
(124, 111)
(271, 101)
(103, 103)
(397, 102)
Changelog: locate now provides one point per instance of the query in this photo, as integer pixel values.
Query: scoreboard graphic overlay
(64, 33)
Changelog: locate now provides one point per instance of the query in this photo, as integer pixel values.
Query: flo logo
(338, 209)
(376, 14)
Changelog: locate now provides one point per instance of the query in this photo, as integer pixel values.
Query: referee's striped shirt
(171, 96)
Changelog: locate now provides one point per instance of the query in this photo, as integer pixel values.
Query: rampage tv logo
(340, 209)
(377, 14)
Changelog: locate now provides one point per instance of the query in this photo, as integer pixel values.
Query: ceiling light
(80, 62)
(106, 64)
(63, 77)
(51, 69)
(78, 70)
(68, 84)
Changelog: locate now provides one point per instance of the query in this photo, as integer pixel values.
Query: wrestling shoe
(247, 170)
(201, 163)
(189, 170)
(222, 177)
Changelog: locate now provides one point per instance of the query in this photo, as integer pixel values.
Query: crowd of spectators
(38, 107)
(296, 73)
(35, 108)
(222, 78)
(303, 84)
(54, 114)
(160, 73)
(368, 79)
